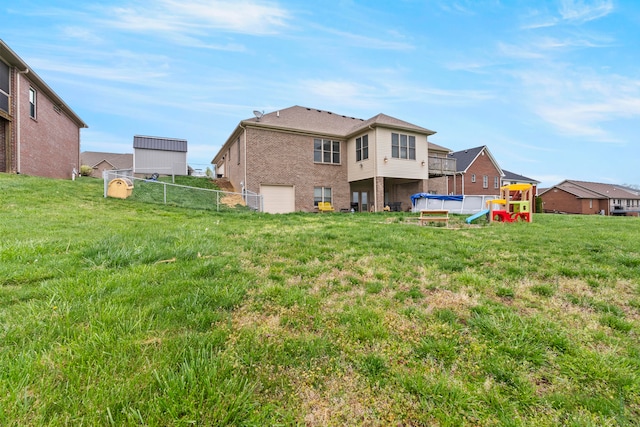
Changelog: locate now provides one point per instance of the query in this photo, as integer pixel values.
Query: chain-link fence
(188, 192)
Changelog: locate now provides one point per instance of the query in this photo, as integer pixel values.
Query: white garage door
(278, 198)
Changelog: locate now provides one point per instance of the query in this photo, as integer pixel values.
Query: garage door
(278, 198)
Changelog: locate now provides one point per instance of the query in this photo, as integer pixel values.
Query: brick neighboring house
(39, 132)
(513, 178)
(100, 161)
(583, 197)
(477, 173)
(297, 157)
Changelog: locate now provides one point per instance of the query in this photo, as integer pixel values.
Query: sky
(552, 88)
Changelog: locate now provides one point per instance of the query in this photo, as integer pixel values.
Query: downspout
(375, 173)
(18, 97)
(244, 185)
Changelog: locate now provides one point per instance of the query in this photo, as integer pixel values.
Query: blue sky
(551, 87)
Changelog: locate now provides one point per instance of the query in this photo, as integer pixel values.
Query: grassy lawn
(117, 312)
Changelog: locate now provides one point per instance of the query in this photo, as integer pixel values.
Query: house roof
(515, 177)
(160, 143)
(595, 190)
(310, 120)
(14, 60)
(465, 158)
(117, 160)
(326, 123)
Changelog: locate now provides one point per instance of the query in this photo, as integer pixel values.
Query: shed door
(278, 198)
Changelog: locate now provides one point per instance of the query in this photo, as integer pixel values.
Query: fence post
(164, 186)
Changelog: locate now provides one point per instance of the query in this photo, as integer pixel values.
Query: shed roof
(159, 143)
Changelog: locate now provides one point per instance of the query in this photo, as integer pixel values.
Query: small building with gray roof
(164, 156)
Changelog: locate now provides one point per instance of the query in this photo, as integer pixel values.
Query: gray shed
(165, 156)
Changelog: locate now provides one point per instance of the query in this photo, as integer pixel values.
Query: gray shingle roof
(159, 143)
(510, 176)
(464, 158)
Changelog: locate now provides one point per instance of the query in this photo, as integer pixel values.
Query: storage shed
(165, 156)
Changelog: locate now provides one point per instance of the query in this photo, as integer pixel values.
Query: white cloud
(199, 16)
(581, 11)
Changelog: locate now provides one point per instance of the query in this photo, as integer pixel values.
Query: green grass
(118, 312)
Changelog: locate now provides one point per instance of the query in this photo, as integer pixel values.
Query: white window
(362, 148)
(473, 177)
(403, 146)
(32, 103)
(321, 194)
(485, 181)
(326, 151)
(496, 182)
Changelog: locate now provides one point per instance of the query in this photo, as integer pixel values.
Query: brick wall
(278, 158)
(557, 200)
(50, 144)
(482, 166)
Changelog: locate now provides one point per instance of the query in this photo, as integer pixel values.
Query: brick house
(39, 132)
(99, 161)
(582, 197)
(477, 173)
(298, 157)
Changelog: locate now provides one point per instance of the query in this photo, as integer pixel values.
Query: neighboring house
(298, 157)
(582, 197)
(513, 178)
(39, 132)
(164, 156)
(477, 173)
(100, 162)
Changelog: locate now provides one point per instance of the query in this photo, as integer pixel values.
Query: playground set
(514, 204)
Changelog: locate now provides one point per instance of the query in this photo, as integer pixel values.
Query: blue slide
(476, 216)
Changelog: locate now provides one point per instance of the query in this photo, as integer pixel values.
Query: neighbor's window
(362, 148)
(496, 182)
(403, 146)
(321, 194)
(326, 151)
(32, 103)
(473, 177)
(485, 181)
(4, 87)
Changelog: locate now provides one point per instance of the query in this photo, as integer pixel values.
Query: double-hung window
(4, 87)
(32, 103)
(403, 146)
(485, 181)
(496, 182)
(326, 151)
(362, 148)
(321, 194)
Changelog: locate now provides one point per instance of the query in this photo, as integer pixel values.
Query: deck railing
(441, 166)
